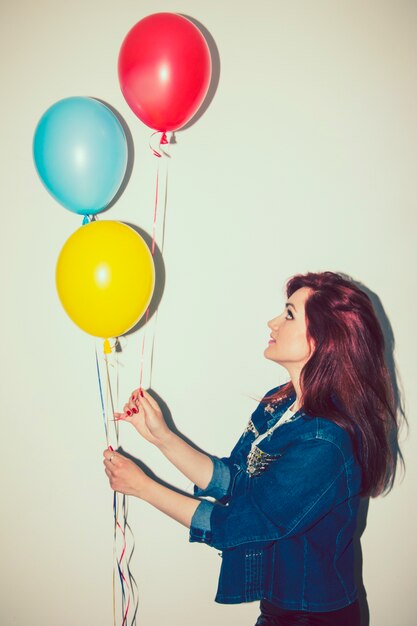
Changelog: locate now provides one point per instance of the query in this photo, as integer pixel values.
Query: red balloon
(164, 70)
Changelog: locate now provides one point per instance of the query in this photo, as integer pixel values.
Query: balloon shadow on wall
(159, 278)
(393, 439)
(130, 153)
(215, 73)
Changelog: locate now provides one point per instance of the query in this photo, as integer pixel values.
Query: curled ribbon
(129, 599)
(120, 565)
(162, 142)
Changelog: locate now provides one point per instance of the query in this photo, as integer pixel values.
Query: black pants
(272, 615)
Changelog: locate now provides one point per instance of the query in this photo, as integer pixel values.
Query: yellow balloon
(105, 278)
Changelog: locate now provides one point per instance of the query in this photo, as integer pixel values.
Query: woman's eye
(289, 315)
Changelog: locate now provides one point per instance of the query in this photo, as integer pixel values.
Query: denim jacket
(285, 520)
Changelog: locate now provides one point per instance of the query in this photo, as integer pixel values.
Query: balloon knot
(86, 220)
(107, 347)
(158, 151)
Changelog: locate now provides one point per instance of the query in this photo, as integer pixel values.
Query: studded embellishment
(258, 461)
(270, 408)
(251, 428)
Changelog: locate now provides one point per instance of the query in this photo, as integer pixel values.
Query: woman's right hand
(143, 412)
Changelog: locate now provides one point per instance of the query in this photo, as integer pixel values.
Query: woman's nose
(274, 323)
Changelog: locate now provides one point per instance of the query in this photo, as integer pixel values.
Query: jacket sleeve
(219, 485)
(294, 493)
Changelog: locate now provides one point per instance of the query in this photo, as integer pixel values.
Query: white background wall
(305, 160)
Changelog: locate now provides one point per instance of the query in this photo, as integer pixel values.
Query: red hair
(346, 378)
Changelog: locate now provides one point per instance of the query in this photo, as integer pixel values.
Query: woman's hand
(124, 475)
(144, 413)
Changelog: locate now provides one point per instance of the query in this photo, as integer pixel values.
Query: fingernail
(110, 448)
(141, 392)
(128, 412)
(134, 410)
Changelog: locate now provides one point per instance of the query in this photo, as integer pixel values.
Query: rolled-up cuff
(200, 528)
(220, 481)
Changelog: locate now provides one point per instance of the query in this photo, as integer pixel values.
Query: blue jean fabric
(285, 529)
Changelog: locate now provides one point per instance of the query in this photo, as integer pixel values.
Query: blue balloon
(80, 153)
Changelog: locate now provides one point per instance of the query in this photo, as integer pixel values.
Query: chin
(268, 355)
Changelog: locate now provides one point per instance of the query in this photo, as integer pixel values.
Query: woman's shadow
(361, 525)
(395, 448)
(171, 425)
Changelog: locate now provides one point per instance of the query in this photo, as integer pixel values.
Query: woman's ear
(312, 344)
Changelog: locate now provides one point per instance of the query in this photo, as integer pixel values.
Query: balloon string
(102, 400)
(155, 213)
(105, 420)
(142, 353)
(132, 581)
(164, 214)
(109, 396)
(115, 507)
(126, 592)
(114, 558)
(155, 209)
(116, 345)
(120, 561)
(164, 210)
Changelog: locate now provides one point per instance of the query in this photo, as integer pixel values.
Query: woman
(287, 497)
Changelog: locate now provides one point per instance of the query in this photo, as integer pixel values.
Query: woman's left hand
(124, 475)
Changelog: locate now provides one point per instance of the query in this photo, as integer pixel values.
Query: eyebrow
(290, 304)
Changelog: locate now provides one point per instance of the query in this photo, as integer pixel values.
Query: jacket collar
(273, 411)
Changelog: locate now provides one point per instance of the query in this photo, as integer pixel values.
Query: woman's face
(288, 343)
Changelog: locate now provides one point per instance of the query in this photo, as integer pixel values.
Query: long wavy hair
(346, 379)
